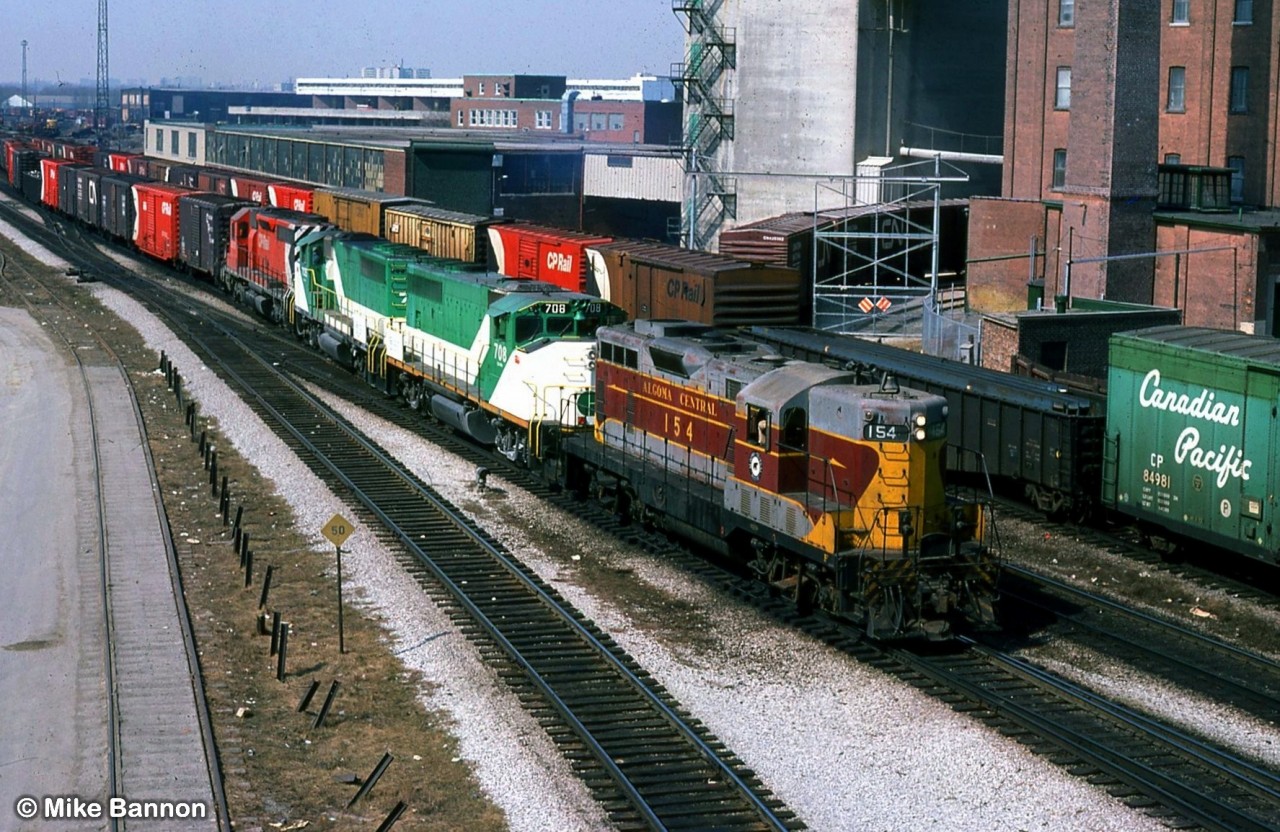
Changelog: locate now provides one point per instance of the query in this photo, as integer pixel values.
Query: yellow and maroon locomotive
(829, 490)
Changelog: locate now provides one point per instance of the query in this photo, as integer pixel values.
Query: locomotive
(828, 490)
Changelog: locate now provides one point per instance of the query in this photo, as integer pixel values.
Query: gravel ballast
(842, 745)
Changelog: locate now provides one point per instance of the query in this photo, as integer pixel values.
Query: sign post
(338, 529)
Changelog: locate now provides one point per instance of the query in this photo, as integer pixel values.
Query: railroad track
(645, 759)
(131, 738)
(1255, 584)
(1150, 766)
(1216, 670)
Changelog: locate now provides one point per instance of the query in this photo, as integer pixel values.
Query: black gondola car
(1016, 430)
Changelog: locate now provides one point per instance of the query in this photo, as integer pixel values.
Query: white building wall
(794, 97)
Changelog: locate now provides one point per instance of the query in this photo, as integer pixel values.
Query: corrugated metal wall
(658, 178)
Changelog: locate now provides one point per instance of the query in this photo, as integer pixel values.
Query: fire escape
(708, 114)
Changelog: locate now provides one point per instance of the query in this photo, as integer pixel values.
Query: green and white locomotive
(507, 362)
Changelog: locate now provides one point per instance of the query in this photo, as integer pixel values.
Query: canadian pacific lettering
(1227, 462)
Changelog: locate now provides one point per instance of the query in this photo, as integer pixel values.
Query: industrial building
(555, 179)
(1139, 161)
(779, 102)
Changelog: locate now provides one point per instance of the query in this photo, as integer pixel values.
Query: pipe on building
(952, 155)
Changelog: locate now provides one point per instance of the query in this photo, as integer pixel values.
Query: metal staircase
(709, 119)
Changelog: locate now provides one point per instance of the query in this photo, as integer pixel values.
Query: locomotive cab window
(528, 327)
(795, 429)
(758, 425)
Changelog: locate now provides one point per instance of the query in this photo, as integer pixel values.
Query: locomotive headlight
(920, 434)
(920, 420)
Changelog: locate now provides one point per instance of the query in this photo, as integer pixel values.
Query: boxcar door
(1257, 506)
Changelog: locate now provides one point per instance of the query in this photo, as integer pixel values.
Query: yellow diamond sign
(338, 529)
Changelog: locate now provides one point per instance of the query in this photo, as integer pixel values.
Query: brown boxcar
(653, 280)
(188, 176)
(355, 210)
(214, 182)
(450, 234)
(139, 166)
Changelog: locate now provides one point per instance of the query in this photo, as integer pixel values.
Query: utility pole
(25, 104)
(102, 101)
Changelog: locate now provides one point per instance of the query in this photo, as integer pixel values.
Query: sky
(227, 41)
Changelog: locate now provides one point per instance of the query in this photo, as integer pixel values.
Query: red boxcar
(155, 224)
(254, 190)
(541, 253)
(11, 148)
(50, 175)
(119, 162)
(292, 197)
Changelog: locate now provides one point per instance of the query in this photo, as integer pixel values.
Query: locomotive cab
(855, 474)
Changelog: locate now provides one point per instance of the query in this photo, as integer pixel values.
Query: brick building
(539, 103)
(1105, 99)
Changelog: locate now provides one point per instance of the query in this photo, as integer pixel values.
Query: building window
(616, 121)
(481, 92)
(1062, 99)
(1177, 99)
(1059, 168)
(1066, 12)
(1236, 163)
(173, 142)
(542, 120)
(159, 140)
(1239, 89)
(1244, 11)
(1181, 12)
(191, 145)
(461, 116)
(1173, 158)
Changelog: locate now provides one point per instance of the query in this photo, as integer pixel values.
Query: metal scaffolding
(870, 233)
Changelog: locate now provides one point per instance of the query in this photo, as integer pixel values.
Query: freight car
(1025, 434)
(292, 196)
(1192, 436)
(358, 211)
(653, 280)
(450, 234)
(538, 252)
(829, 490)
(204, 235)
(251, 188)
(156, 219)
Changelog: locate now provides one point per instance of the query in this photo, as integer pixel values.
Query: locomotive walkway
(97, 695)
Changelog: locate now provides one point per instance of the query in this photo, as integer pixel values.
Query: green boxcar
(1192, 435)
